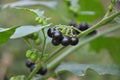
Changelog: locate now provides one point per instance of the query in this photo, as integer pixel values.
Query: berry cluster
(67, 35)
(32, 55)
(59, 38)
(82, 27)
(32, 65)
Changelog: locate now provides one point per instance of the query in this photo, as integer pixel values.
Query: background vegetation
(103, 50)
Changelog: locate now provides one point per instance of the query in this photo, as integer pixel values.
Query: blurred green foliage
(87, 11)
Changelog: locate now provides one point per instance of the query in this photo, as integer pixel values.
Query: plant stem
(34, 71)
(27, 42)
(59, 58)
(107, 13)
(77, 29)
(44, 43)
(54, 53)
(39, 63)
(99, 24)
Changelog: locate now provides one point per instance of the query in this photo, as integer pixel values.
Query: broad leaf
(50, 4)
(26, 30)
(5, 34)
(111, 44)
(80, 69)
(18, 78)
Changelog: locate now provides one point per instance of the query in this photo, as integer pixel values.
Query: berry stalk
(44, 43)
(99, 24)
(27, 42)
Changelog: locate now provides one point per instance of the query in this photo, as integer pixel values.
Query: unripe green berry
(29, 36)
(110, 7)
(44, 22)
(37, 41)
(37, 19)
(33, 57)
(35, 35)
(40, 21)
(28, 53)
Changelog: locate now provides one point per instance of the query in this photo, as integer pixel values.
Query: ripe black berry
(32, 67)
(50, 32)
(92, 33)
(65, 41)
(41, 71)
(72, 23)
(83, 26)
(29, 63)
(55, 42)
(57, 35)
(74, 40)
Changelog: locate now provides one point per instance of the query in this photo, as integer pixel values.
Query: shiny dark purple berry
(72, 23)
(41, 71)
(50, 32)
(74, 40)
(55, 42)
(92, 33)
(57, 35)
(65, 41)
(83, 26)
(29, 63)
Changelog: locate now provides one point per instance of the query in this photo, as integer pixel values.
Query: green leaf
(111, 44)
(74, 5)
(85, 11)
(34, 11)
(117, 19)
(50, 4)
(18, 78)
(5, 34)
(90, 12)
(80, 69)
(26, 30)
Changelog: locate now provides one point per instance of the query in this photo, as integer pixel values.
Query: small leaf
(50, 4)
(26, 30)
(80, 69)
(18, 78)
(5, 34)
(35, 11)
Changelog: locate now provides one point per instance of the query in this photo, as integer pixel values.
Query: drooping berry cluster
(32, 65)
(82, 27)
(59, 38)
(67, 35)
